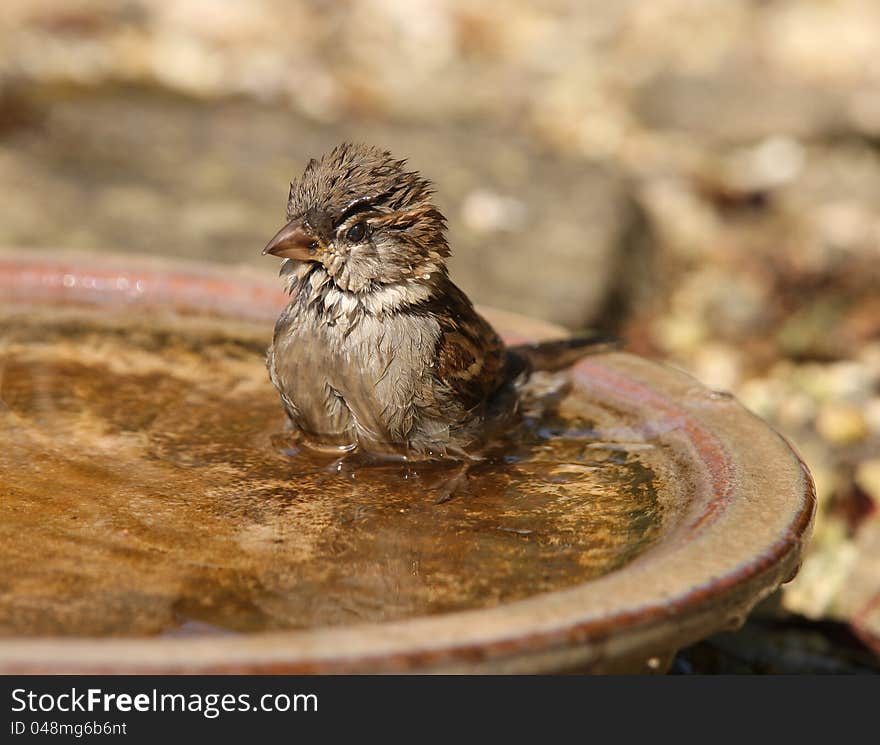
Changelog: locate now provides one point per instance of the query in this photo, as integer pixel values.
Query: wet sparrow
(378, 350)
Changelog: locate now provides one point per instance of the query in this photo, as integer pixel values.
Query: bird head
(366, 220)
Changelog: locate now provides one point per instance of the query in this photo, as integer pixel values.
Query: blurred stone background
(702, 176)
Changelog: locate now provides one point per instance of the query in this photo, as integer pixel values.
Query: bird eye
(357, 232)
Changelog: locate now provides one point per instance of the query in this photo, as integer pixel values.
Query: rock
(754, 169)
(718, 366)
(822, 577)
(841, 423)
(721, 106)
(486, 211)
(555, 250)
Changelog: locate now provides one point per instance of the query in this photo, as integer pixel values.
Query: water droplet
(721, 395)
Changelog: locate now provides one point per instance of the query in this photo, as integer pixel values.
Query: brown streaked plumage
(378, 350)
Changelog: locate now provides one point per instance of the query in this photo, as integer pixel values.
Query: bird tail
(556, 355)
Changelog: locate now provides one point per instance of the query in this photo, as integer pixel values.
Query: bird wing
(470, 355)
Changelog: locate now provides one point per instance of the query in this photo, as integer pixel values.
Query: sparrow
(378, 351)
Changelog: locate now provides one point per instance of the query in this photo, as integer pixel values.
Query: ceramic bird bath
(155, 517)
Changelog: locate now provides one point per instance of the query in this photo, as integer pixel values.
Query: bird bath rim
(740, 536)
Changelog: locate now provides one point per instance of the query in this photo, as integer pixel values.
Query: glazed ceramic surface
(729, 510)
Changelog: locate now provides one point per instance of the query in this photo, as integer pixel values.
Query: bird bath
(154, 519)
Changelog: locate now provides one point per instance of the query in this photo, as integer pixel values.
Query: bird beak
(294, 241)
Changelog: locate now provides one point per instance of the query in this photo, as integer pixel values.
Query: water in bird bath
(148, 488)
